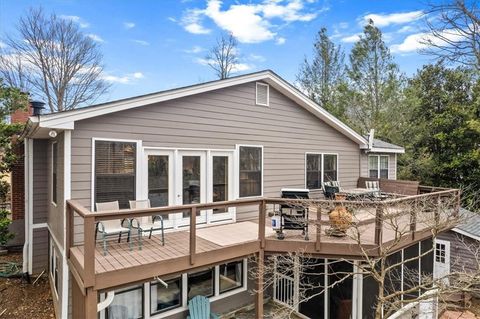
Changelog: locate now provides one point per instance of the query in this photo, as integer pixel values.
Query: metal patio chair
(146, 224)
(111, 227)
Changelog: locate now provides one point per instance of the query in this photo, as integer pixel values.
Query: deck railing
(433, 206)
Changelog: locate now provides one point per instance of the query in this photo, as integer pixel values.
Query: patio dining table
(358, 192)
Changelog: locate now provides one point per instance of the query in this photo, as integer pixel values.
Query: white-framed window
(262, 94)
(164, 298)
(53, 266)
(127, 303)
(54, 172)
(320, 168)
(378, 166)
(115, 171)
(250, 170)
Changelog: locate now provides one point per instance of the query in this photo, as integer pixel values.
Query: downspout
(108, 300)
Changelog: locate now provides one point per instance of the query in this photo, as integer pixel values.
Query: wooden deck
(197, 246)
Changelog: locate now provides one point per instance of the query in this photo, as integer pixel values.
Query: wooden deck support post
(413, 221)
(259, 285)
(379, 225)
(193, 234)
(89, 250)
(69, 230)
(261, 223)
(91, 304)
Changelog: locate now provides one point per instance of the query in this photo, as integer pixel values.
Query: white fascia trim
(29, 202)
(66, 120)
(41, 225)
(464, 233)
(386, 150)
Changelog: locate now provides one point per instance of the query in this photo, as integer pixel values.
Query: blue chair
(199, 308)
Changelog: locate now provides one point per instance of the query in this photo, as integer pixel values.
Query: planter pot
(340, 219)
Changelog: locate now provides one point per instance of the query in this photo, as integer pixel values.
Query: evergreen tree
(375, 85)
(321, 77)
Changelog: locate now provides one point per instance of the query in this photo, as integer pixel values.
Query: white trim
(53, 253)
(67, 193)
(386, 150)
(40, 225)
(237, 173)
(257, 84)
(465, 233)
(27, 162)
(66, 119)
(57, 242)
(30, 205)
(396, 164)
(322, 168)
(54, 203)
(138, 166)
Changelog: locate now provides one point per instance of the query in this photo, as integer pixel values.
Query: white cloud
(191, 21)
(280, 41)
(195, 49)
(406, 29)
(256, 57)
(95, 37)
(2, 45)
(351, 38)
(343, 25)
(128, 25)
(141, 42)
(418, 41)
(125, 79)
(383, 20)
(249, 23)
(238, 67)
(172, 19)
(75, 19)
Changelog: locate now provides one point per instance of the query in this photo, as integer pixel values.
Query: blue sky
(152, 45)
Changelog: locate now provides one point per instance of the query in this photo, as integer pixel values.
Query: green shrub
(5, 235)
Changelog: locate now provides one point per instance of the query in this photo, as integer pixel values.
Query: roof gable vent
(262, 94)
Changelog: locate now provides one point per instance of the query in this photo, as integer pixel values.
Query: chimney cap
(37, 107)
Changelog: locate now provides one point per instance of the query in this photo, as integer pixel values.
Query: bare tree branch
(223, 57)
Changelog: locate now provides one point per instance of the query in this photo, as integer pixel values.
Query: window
(378, 166)
(54, 171)
(115, 172)
(127, 303)
(231, 276)
(250, 171)
(201, 283)
(158, 180)
(320, 168)
(53, 265)
(440, 253)
(262, 94)
(165, 298)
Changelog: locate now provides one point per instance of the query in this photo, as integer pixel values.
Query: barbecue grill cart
(291, 216)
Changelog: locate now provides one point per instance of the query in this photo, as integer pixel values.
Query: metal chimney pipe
(37, 107)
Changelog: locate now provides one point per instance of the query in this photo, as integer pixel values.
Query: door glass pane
(314, 171)
(191, 179)
(158, 180)
(330, 168)
(220, 180)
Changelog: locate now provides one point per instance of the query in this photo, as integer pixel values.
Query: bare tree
(454, 32)
(396, 274)
(52, 58)
(223, 57)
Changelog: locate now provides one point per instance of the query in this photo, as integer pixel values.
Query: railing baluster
(69, 230)
(193, 234)
(413, 220)
(318, 229)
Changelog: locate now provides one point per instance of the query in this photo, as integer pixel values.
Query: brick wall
(18, 185)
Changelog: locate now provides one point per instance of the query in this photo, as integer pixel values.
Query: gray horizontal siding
(462, 247)
(40, 250)
(220, 120)
(40, 181)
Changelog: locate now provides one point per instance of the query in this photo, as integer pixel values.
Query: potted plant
(341, 219)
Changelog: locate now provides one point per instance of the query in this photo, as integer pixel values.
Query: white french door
(182, 177)
(220, 184)
(191, 184)
(158, 176)
(441, 265)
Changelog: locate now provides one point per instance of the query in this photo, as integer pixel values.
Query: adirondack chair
(199, 308)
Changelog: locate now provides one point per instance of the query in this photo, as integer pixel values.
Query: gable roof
(379, 146)
(470, 226)
(67, 119)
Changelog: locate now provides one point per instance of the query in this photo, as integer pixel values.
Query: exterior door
(159, 175)
(441, 266)
(191, 184)
(220, 184)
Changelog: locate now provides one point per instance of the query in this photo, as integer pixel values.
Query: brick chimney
(21, 116)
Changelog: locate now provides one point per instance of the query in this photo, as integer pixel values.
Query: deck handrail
(381, 213)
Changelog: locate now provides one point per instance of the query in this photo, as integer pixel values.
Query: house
(458, 249)
(212, 158)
